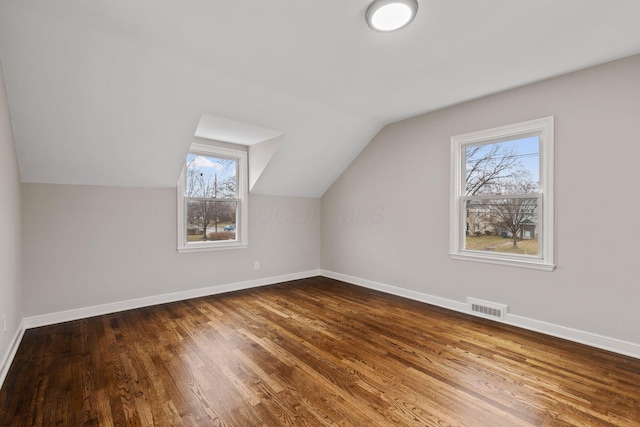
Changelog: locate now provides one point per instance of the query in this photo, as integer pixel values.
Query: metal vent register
(490, 310)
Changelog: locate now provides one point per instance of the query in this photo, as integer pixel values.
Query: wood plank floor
(312, 352)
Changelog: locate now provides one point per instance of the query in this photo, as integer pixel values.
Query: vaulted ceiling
(110, 92)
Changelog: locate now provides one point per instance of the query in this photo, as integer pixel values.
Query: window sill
(205, 247)
(536, 264)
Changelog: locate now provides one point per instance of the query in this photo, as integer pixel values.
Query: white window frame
(544, 129)
(242, 216)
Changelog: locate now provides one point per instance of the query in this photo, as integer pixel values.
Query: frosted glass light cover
(390, 15)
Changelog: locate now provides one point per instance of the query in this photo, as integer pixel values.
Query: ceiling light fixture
(391, 15)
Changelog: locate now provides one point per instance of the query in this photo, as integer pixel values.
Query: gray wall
(386, 219)
(10, 286)
(89, 245)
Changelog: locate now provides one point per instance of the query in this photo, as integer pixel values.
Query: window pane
(502, 225)
(211, 177)
(509, 167)
(211, 220)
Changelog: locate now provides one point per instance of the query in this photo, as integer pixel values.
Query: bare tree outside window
(211, 191)
(499, 176)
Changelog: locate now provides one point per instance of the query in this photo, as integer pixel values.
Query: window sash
(235, 222)
(211, 199)
(502, 196)
(209, 155)
(538, 213)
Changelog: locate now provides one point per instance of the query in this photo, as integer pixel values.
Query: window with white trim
(502, 195)
(212, 199)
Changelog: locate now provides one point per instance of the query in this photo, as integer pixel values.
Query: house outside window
(502, 195)
(212, 199)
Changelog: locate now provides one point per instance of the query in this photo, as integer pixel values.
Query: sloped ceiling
(110, 92)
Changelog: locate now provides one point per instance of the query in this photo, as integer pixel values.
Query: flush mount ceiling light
(391, 15)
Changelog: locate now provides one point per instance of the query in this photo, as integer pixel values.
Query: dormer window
(212, 199)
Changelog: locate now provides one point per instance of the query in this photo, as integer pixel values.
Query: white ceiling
(110, 92)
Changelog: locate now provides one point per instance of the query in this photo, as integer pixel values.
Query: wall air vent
(489, 310)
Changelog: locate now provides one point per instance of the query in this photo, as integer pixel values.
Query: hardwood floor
(312, 352)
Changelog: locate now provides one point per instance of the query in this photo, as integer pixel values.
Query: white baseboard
(401, 292)
(594, 340)
(97, 310)
(11, 353)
